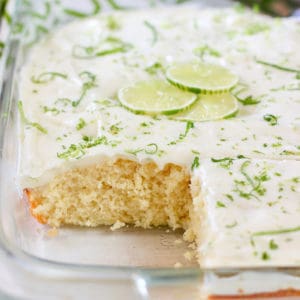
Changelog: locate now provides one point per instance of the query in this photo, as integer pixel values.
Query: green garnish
(27, 122)
(155, 97)
(289, 152)
(265, 256)
(53, 110)
(231, 225)
(42, 16)
(17, 28)
(63, 101)
(182, 136)
(1, 48)
(210, 107)
(230, 197)
(77, 151)
(220, 204)
(273, 245)
(295, 179)
(115, 5)
(47, 76)
(278, 67)
(149, 149)
(249, 100)
(114, 129)
(201, 77)
(7, 17)
(81, 124)
(154, 68)
(39, 31)
(188, 127)
(271, 119)
(289, 87)
(225, 162)
(195, 163)
(109, 46)
(79, 14)
(256, 28)
(206, 50)
(276, 232)
(153, 31)
(88, 83)
(112, 23)
(255, 183)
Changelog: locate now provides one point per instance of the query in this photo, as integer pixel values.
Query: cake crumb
(177, 242)
(189, 255)
(192, 246)
(53, 232)
(178, 265)
(117, 225)
(189, 235)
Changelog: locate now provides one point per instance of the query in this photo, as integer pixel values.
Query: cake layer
(115, 192)
(248, 211)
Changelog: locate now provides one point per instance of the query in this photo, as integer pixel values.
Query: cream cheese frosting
(90, 60)
(250, 212)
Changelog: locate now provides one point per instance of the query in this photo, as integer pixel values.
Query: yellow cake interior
(116, 190)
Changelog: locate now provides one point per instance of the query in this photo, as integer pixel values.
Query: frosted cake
(227, 171)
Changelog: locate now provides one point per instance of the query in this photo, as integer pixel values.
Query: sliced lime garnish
(210, 107)
(154, 97)
(200, 77)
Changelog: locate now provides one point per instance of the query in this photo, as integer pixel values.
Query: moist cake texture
(86, 160)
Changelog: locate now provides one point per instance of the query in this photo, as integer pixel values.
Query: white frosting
(237, 37)
(236, 210)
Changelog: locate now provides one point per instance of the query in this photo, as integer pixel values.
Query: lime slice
(154, 97)
(200, 77)
(210, 107)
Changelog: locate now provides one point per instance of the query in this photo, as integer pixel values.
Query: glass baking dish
(78, 263)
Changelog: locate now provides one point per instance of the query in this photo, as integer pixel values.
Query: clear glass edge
(40, 266)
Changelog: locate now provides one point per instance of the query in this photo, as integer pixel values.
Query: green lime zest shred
(278, 67)
(79, 14)
(153, 30)
(27, 122)
(196, 163)
(89, 80)
(271, 119)
(112, 45)
(276, 232)
(115, 5)
(47, 76)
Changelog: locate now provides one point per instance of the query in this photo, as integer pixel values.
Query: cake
(231, 184)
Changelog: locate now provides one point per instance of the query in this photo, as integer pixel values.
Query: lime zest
(115, 5)
(153, 31)
(110, 45)
(275, 232)
(89, 82)
(27, 122)
(206, 50)
(79, 14)
(47, 76)
(278, 67)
